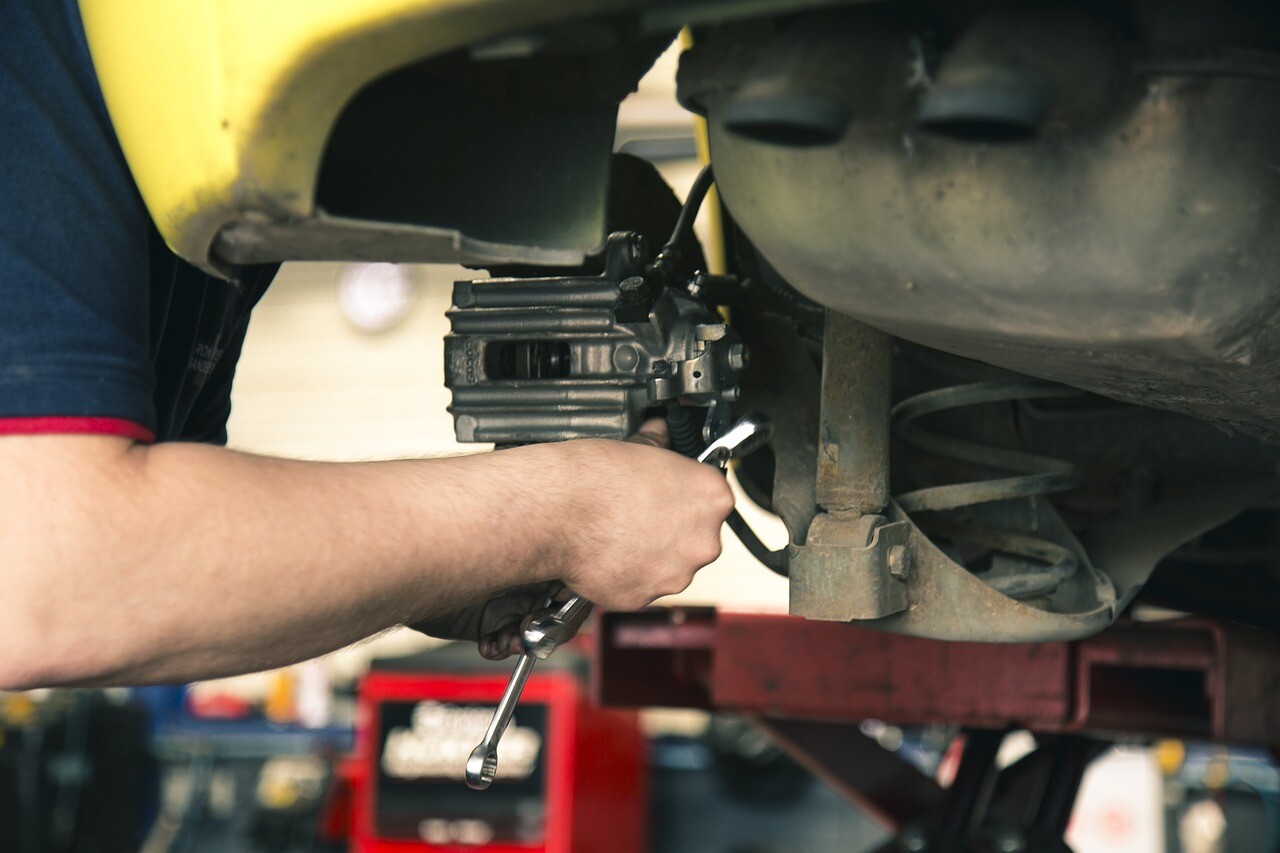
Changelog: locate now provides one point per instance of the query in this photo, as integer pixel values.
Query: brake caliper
(546, 359)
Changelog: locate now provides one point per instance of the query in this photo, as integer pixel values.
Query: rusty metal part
(1113, 557)
(841, 570)
(945, 600)
(853, 426)
(1186, 678)
(1044, 586)
(1026, 566)
(1042, 569)
(852, 567)
(1040, 583)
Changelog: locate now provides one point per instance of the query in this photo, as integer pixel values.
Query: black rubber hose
(667, 258)
(775, 561)
(692, 203)
(682, 430)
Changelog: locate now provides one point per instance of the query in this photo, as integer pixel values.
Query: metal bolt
(731, 394)
(697, 284)
(660, 368)
(899, 560)
(739, 357)
(632, 289)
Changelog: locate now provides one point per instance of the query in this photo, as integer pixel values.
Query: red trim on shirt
(74, 425)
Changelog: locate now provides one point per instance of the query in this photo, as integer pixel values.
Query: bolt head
(739, 356)
(632, 288)
(899, 561)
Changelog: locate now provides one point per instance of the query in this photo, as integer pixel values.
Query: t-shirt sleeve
(208, 421)
(74, 317)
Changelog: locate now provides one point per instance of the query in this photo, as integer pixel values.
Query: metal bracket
(853, 567)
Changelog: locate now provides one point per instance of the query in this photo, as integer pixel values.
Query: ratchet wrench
(543, 635)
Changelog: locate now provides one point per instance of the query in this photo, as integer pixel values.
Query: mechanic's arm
(125, 563)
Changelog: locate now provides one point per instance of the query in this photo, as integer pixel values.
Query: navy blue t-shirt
(102, 328)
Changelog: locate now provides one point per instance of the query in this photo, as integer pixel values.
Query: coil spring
(1046, 565)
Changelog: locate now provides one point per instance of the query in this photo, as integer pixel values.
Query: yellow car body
(223, 107)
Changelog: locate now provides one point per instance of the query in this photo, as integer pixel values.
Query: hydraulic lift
(809, 684)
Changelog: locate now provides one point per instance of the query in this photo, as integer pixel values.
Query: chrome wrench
(542, 636)
(746, 435)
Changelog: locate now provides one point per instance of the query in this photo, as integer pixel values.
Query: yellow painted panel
(223, 107)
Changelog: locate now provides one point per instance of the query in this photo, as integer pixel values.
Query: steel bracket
(852, 567)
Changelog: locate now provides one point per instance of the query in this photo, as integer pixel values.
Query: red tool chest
(572, 778)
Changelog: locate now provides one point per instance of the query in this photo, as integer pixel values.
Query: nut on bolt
(739, 356)
(632, 288)
(899, 560)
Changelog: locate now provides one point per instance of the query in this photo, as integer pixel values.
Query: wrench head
(544, 635)
(482, 767)
(538, 642)
(747, 434)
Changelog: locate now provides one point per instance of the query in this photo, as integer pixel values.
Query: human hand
(620, 523)
(636, 521)
(495, 625)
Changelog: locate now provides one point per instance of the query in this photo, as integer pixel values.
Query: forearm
(182, 561)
